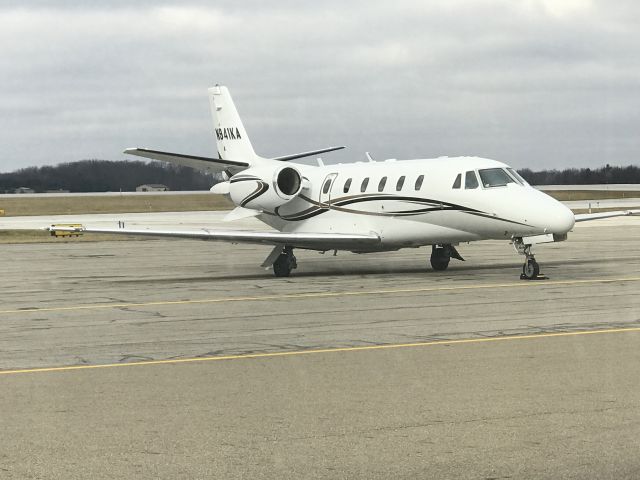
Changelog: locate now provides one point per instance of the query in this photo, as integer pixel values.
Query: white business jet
(370, 206)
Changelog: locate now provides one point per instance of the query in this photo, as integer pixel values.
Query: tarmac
(184, 359)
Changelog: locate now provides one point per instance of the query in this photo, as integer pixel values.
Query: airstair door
(327, 187)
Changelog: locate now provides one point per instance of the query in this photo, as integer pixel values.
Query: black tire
(282, 266)
(530, 269)
(440, 259)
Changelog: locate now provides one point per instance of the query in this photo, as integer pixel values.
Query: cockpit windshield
(494, 177)
(517, 176)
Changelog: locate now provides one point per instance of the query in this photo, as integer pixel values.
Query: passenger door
(325, 190)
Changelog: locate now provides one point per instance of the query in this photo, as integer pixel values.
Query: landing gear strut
(530, 269)
(285, 262)
(441, 254)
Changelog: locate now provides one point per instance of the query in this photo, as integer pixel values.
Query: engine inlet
(289, 181)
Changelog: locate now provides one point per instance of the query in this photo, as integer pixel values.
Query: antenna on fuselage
(369, 157)
(320, 162)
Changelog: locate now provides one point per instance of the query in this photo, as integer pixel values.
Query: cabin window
(383, 182)
(327, 186)
(400, 183)
(419, 181)
(517, 176)
(458, 181)
(470, 180)
(494, 177)
(347, 185)
(363, 187)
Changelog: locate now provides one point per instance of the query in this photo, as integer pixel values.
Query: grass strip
(66, 205)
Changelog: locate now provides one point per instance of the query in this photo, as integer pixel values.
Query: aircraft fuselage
(410, 203)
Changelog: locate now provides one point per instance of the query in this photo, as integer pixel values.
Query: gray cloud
(536, 83)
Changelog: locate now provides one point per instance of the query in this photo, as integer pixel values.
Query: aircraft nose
(559, 218)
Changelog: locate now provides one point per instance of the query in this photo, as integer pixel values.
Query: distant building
(59, 190)
(152, 187)
(24, 190)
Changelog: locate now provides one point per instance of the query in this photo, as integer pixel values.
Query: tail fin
(231, 137)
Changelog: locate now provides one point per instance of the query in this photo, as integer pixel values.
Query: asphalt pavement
(185, 359)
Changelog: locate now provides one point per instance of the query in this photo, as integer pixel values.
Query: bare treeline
(583, 176)
(111, 176)
(105, 176)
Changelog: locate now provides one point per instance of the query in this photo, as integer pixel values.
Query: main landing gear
(530, 269)
(441, 254)
(285, 262)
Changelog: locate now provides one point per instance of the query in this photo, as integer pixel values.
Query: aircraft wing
(206, 164)
(313, 241)
(584, 217)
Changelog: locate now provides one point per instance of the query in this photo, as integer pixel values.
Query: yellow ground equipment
(66, 230)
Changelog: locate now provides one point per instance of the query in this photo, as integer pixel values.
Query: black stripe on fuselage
(243, 178)
(437, 204)
(260, 189)
(340, 204)
(371, 197)
(493, 217)
(302, 215)
(431, 206)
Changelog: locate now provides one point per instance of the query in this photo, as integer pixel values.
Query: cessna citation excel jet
(366, 207)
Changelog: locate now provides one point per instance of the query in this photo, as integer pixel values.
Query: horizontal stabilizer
(220, 188)
(313, 241)
(240, 213)
(206, 164)
(307, 154)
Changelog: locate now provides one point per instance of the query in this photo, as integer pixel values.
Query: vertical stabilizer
(231, 137)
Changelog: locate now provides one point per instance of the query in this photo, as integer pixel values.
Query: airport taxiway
(512, 379)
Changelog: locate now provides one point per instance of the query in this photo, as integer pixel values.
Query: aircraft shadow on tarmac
(455, 270)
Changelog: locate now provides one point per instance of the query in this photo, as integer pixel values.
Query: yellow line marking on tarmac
(323, 350)
(285, 296)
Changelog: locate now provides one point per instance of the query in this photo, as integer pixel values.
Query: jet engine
(264, 188)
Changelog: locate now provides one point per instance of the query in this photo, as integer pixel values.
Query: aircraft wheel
(530, 269)
(440, 259)
(439, 264)
(285, 263)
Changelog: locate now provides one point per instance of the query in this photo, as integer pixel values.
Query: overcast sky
(534, 83)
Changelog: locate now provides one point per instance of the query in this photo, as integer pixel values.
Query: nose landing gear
(530, 269)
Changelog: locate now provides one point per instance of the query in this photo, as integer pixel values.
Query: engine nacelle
(265, 188)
